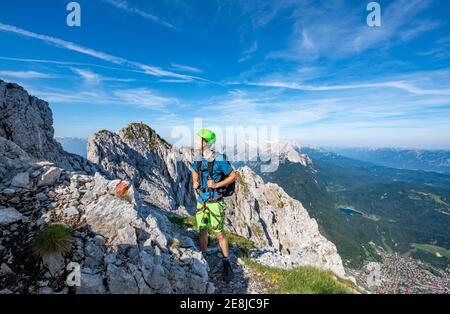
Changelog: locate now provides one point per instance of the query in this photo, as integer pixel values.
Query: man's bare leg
(223, 243)
(203, 240)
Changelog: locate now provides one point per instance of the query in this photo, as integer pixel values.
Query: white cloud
(398, 22)
(393, 84)
(87, 75)
(247, 54)
(185, 68)
(336, 29)
(306, 40)
(144, 98)
(138, 97)
(26, 74)
(95, 78)
(150, 70)
(124, 5)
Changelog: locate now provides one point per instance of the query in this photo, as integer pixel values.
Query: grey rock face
(28, 122)
(9, 216)
(264, 213)
(120, 281)
(21, 180)
(91, 284)
(137, 154)
(54, 264)
(50, 176)
(13, 160)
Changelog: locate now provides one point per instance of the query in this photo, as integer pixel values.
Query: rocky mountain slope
(264, 213)
(156, 168)
(122, 246)
(28, 122)
(126, 242)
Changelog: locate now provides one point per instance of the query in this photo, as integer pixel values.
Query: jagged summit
(137, 153)
(137, 132)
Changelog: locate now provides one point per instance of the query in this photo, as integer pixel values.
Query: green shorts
(211, 216)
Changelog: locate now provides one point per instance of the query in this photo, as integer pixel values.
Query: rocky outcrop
(121, 245)
(28, 122)
(158, 170)
(264, 213)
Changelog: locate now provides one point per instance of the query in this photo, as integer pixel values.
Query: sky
(315, 69)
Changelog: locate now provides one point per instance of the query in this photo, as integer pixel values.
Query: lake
(350, 212)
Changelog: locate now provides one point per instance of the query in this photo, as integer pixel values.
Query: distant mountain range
(428, 160)
(74, 145)
(357, 203)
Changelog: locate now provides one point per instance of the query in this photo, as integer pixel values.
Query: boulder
(21, 180)
(9, 216)
(50, 177)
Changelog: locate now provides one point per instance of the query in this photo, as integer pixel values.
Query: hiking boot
(227, 271)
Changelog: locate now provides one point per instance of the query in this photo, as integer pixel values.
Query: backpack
(225, 191)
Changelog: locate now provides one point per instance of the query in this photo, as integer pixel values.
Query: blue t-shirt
(221, 167)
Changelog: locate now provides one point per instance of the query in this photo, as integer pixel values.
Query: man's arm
(230, 179)
(195, 180)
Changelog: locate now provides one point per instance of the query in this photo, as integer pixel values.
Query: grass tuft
(55, 239)
(301, 280)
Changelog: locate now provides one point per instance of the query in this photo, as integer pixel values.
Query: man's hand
(212, 185)
(196, 185)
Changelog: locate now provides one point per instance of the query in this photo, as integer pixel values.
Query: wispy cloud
(247, 54)
(145, 98)
(392, 84)
(95, 78)
(262, 13)
(135, 97)
(87, 75)
(398, 23)
(185, 68)
(150, 70)
(124, 5)
(26, 75)
(334, 29)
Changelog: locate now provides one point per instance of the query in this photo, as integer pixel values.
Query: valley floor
(403, 275)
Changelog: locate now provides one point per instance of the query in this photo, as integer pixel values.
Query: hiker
(213, 179)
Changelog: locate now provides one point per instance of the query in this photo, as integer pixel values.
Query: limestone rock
(50, 176)
(91, 284)
(21, 180)
(28, 122)
(159, 171)
(9, 216)
(264, 213)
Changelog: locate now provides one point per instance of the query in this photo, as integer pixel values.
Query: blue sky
(312, 67)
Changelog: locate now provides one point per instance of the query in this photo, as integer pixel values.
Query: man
(212, 173)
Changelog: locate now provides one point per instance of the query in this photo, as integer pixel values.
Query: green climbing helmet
(207, 135)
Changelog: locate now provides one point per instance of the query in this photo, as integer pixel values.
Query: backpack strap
(211, 168)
